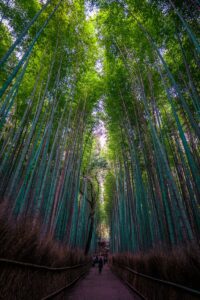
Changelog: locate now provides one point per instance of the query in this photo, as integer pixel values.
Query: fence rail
(161, 281)
(50, 296)
(51, 269)
(41, 267)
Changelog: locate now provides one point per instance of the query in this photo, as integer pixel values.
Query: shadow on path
(104, 286)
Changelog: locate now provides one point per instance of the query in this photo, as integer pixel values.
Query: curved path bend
(105, 286)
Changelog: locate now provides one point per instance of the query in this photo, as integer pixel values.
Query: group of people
(100, 261)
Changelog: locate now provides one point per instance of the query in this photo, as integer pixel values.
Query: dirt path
(105, 286)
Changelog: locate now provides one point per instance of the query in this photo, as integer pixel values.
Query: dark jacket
(100, 262)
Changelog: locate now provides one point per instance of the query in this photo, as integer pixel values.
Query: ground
(105, 286)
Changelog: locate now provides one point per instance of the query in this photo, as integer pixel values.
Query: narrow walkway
(105, 286)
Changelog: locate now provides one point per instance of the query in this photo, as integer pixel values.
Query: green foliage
(151, 103)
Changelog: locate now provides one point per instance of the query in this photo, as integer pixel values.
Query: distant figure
(93, 261)
(100, 264)
(96, 260)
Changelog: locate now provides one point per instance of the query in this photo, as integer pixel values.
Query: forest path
(104, 286)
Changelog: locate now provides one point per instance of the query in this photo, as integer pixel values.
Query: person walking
(100, 264)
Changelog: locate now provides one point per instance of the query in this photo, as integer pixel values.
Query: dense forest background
(99, 133)
(77, 74)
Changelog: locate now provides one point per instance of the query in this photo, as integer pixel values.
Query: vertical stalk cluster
(46, 101)
(153, 100)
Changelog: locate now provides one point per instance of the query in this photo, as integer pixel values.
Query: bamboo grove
(49, 110)
(49, 87)
(152, 77)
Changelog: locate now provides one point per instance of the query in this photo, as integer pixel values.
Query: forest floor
(104, 286)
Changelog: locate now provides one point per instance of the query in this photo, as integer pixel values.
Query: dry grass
(181, 265)
(22, 242)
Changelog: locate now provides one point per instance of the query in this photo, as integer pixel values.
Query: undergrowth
(181, 265)
(21, 241)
